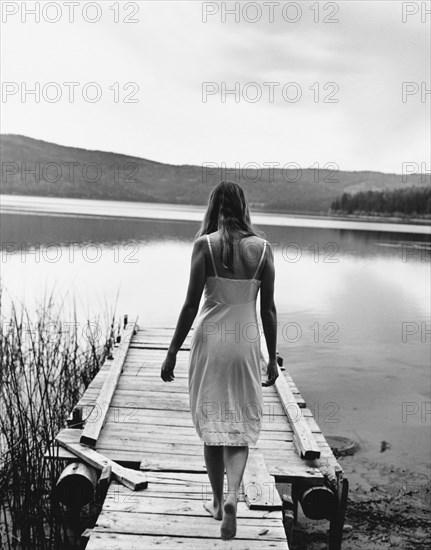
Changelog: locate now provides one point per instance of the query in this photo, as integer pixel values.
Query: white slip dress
(225, 389)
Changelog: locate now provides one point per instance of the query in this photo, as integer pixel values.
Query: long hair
(228, 212)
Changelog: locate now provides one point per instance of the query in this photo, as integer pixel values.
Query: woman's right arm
(268, 314)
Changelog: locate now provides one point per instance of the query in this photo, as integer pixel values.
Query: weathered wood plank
(69, 439)
(156, 346)
(186, 445)
(136, 434)
(304, 439)
(133, 387)
(288, 468)
(259, 486)
(176, 526)
(285, 469)
(92, 429)
(178, 506)
(141, 399)
(153, 419)
(55, 451)
(129, 413)
(152, 380)
(115, 541)
(157, 429)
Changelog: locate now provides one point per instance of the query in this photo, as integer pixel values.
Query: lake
(353, 301)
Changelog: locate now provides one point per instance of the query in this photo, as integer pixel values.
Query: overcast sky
(172, 54)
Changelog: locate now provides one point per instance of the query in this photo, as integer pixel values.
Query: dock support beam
(337, 521)
(289, 515)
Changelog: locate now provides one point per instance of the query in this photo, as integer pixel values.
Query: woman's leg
(215, 468)
(235, 459)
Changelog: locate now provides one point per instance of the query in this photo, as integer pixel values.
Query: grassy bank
(45, 366)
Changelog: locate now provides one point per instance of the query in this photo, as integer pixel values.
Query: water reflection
(34, 229)
(342, 298)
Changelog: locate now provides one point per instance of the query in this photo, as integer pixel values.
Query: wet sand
(388, 508)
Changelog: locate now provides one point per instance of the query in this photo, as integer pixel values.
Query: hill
(36, 167)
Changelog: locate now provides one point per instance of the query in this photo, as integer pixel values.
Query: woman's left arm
(189, 309)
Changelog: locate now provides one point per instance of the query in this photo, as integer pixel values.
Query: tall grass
(45, 366)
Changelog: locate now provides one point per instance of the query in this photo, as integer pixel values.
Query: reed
(45, 365)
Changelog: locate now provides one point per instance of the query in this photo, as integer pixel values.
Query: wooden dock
(138, 431)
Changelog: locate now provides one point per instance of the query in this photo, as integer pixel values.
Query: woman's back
(248, 257)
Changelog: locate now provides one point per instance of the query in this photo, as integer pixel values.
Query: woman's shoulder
(257, 239)
(200, 244)
(214, 237)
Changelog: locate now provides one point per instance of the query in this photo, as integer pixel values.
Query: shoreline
(95, 208)
(388, 508)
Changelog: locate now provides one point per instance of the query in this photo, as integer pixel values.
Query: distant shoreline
(93, 208)
(96, 208)
(255, 210)
(354, 217)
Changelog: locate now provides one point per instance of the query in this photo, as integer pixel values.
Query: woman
(231, 262)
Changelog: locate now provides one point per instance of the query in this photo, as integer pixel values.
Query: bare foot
(214, 509)
(228, 526)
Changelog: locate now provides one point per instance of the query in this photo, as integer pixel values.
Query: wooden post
(294, 495)
(103, 484)
(118, 339)
(76, 420)
(280, 361)
(337, 521)
(288, 515)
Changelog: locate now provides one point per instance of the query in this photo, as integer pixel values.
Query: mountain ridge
(37, 167)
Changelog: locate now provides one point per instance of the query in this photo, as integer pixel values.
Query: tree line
(412, 201)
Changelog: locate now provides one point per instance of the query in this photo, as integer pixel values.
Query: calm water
(343, 297)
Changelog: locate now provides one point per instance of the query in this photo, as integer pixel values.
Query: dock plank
(138, 398)
(132, 479)
(92, 429)
(147, 519)
(158, 504)
(115, 541)
(174, 526)
(259, 486)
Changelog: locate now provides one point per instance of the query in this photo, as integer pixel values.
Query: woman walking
(231, 262)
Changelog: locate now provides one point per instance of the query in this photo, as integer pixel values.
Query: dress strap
(212, 257)
(261, 258)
